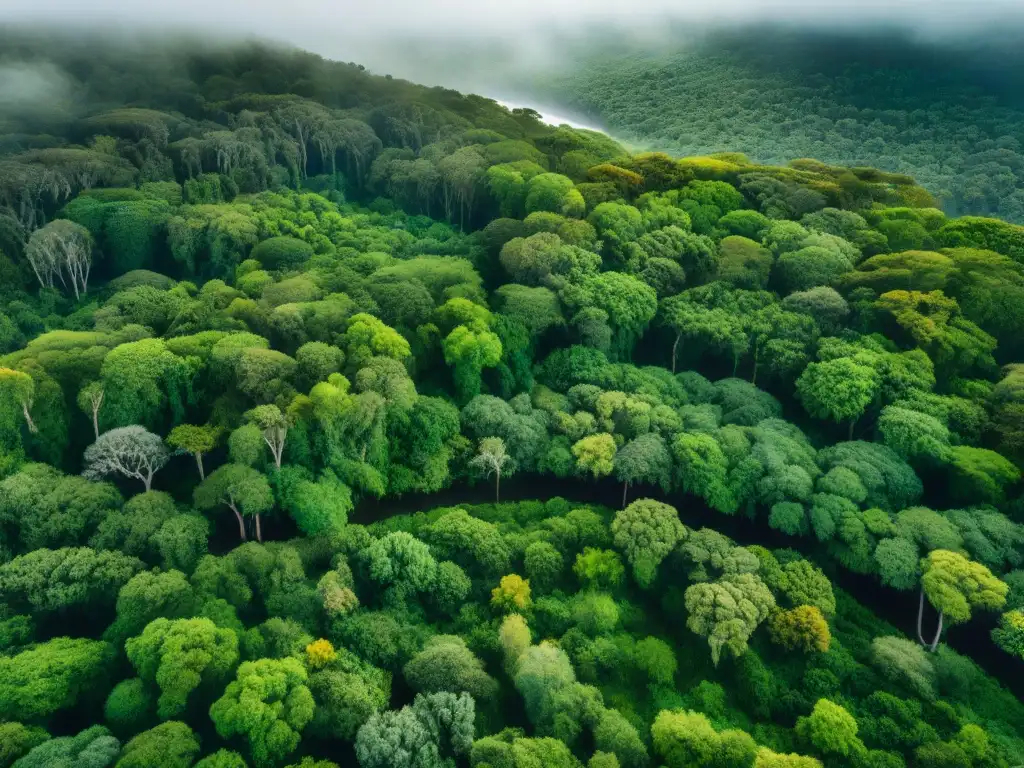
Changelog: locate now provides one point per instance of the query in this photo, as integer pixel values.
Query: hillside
(950, 118)
(252, 302)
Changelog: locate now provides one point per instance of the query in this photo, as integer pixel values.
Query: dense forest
(246, 292)
(951, 118)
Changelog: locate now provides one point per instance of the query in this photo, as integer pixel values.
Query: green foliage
(268, 705)
(172, 744)
(180, 656)
(93, 747)
(340, 284)
(51, 676)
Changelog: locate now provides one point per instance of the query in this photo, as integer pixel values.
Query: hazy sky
(472, 44)
(332, 26)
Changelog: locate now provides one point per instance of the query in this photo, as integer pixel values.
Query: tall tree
(493, 459)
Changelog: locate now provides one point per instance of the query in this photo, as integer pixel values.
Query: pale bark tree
(493, 459)
(130, 451)
(274, 426)
(61, 252)
(90, 400)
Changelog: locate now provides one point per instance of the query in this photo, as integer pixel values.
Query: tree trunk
(931, 646)
(675, 345)
(920, 617)
(199, 463)
(753, 377)
(259, 534)
(938, 634)
(96, 422)
(497, 487)
(28, 419)
(148, 481)
(625, 487)
(853, 423)
(241, 522)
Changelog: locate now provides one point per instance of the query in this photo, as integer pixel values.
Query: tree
(629, 302)
(954, 586)
(318, 507)
(905, 663)
(402, 563)
(446, 664)
(434, 730)
(140, 380)
(980, 475)
(512, 594)
(599, 568)
(194, 440)
(802, 628)
(595, 454)
(147, 596)
(282, 253)
(803, 583)
(17, 389)
(90, 400)
(222, 758)
(242, 489)
(655, 658)
(51, 676)
(914, 435)
(274, 426)
(170, 744)
(687, 739)
(130, 706)
(17, 739)
(768, 759)
(645, 459)
(61, 251)
(616, 735)
(348, 691)
(509, 750)
(62, 580)
(94, 747)
(838, 389)
(830, 729)
(470, 349)
(1009, 635)
(728, 611)
(180, 655)
(543, 564)
(492, 459)
(269, 705)
(130, 451)
(646, 531)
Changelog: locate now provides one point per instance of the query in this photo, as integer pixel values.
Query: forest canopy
(250, 299)
(947, 112)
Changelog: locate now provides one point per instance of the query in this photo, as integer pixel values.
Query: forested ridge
(950, 117)
(243, 289)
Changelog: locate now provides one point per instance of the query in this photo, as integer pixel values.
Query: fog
(467, 43)
(499, 49)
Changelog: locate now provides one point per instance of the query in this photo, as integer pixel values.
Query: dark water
(898, 608)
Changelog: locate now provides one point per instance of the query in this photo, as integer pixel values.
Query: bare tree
(130, 451)
(61, 251)
(492, 459)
